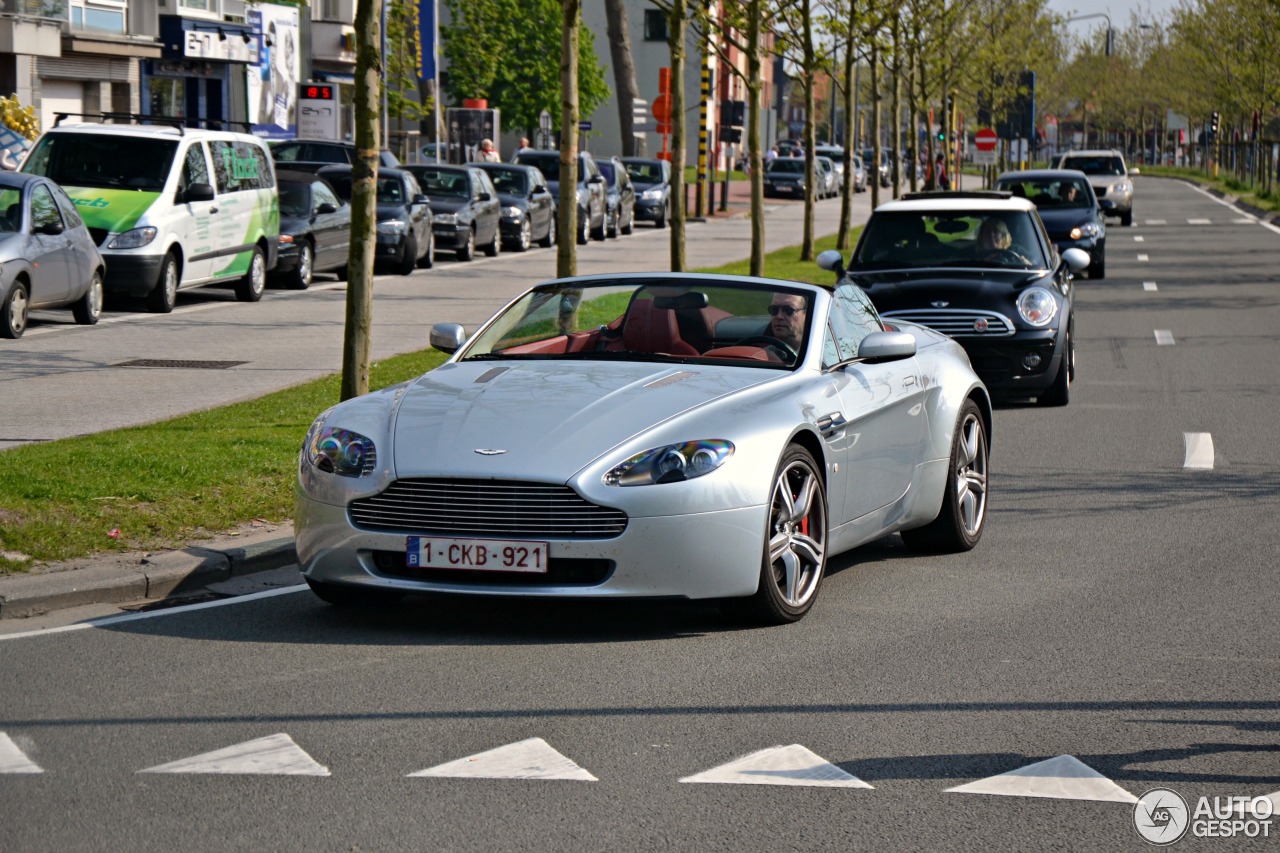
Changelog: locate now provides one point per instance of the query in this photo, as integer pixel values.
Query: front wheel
(89, 308)
(1059, 393)
(661, 221)
(963, 515)
(467, 250)
(164, 296)
(428, 259)
(409, 258)
(13, 314)
(795, 550)
(525, 238)
(493, 249)
(550, 240)
(301, 278)
(249, 288)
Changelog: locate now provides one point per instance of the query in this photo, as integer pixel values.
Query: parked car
(885, 170)
(979, 267)
(652, 181)
(836, 155)
(784, 176)
(528, 210)
(467, 211)
(465, 482)
(307, 155)
(1069, 209)
(315, 229)
(859, 175)
(621, 197)
(405, 217)
(592, 201)
(828, 181)
(1110, 178)
(47, 258)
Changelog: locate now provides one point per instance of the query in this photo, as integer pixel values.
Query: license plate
(486, 555)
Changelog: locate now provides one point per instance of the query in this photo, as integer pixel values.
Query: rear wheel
(661, 221)
(164, 296)
(493, 249)
(87, 311)
(963, 515)
(550, 240)
(249, 288)
(342, 595)
(13, 314)
(525, 238)
(429, 258)
(301, 278)
(409, 258)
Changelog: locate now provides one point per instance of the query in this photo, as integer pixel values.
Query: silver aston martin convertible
(649, 435)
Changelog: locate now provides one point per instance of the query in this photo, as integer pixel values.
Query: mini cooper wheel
(249, 288)
(343, 595)
(164, 296)
(795, 551)
(1059, 393)
(963, 515)
(89, 307)
(301, 278)
(13, 314)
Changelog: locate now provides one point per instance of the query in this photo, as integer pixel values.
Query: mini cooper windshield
(641, 320)
(998, 239)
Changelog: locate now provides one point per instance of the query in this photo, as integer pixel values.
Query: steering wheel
(769, 340)
(1006, 256)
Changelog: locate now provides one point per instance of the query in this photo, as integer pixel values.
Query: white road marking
(780, 765)
(1234, 209)
(274, 755)
(1063, 778)
(1149, 285)
(1138, 238)
(13, 759)
(1198, 450)
(1245, 220)
(528, 759)
(1164, 337)
(1157, 222)
(1142, 259)
(154, 614)
(1199, 222)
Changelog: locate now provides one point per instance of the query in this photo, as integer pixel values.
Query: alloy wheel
(797, 533)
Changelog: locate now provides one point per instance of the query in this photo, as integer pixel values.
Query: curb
(154, 576)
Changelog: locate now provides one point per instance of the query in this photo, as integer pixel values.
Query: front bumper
(131, 274)
(705, 555)
(286, 257)
(785, 189)
(449, 236)
(510, 227)
(390, 247)
(1002, 362)
(650, 209)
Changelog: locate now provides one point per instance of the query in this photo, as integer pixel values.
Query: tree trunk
(676, 27)
(566, 251)
(896, 105)
(810, 130)
(357, 333)
(755, 107)
(850, 132)
(873, 169)
(626, 90)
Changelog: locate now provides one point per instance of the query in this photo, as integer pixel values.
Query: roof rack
(177, 122)
(994, 195)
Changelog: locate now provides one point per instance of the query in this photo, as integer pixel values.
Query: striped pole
(702, 127)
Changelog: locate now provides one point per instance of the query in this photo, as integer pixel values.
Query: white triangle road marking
(1157, 222)
(274, 755)
(1199, 450)
(1142, 259)
(780, 765)
(527, 759)
(13, 759)
(1245, 221)
(1063, 778)
(1164, 337)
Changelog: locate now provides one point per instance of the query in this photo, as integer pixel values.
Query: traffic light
(1214, 120)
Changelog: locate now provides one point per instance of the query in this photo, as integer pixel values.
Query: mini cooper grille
(958, 323)
(487, 508)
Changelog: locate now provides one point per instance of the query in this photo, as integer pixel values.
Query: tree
(624, 71)
(566, 259)
(677, 29)
(357, 332)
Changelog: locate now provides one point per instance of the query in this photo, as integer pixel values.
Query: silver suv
(1111, 180)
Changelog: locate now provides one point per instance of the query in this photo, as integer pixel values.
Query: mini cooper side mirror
(448, 337)
(1076, 259)
(831, 260)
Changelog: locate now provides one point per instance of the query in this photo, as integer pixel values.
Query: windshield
(1001, 239)
(646, 319)
(295, 199)
(1095, 165)
(1049, 194)
(606, 169)
(391, 191)
(645, 173)
(103, 160)
(509, 181)
(548, 164)
(442, 183)
(785, 166)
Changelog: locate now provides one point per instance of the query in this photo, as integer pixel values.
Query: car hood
(896, 290)
(1060, 221)
(296, 224)
(509, 200)
(391, 211)
(548, 418)
(645, 187)
(442, 204)
(787, 177)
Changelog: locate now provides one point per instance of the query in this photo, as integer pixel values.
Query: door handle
(213, 210)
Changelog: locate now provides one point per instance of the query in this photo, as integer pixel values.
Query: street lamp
(1111, 33)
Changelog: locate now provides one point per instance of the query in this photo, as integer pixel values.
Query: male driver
(787, 317)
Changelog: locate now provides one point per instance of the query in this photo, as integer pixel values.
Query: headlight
(1122, 187)
(671, 464)
(1086, 230)
(513, 212)
(651, 195)
(339, 451)
(135, 239)
(445, 219)
(1037, 306)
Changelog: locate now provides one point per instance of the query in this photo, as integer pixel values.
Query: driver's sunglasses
(775, 310)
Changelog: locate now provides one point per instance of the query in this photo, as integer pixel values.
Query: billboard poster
(273, 80)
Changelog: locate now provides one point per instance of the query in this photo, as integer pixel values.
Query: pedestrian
(487, 153)
(940, 173)
(524, 142)
(772, 153)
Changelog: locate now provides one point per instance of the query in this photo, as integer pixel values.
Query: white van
(170, 207)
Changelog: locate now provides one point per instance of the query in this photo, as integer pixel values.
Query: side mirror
(53, 229)
(886, 346)
(199, 192)
(1076, 259)
(1135, 171)
(448, 337)
(831, 260)
(327, 207)
(596, 179)
(421, 199)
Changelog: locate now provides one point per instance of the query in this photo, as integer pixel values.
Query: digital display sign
(317, 93)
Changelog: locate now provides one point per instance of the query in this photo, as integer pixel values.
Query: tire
(250, 287)
(1098, 269)
(409, 256)
(1059, 393)
(550, 240)
(89, 308)
(661, 221)
(795, 550)
(13, 314)
(468, 251)
(611, 224)
(631, 224)
(342, 595)
(164, 296)
(525, 240)
(300, 278)
(600, 232)
(428, 259)
(582, 231)
(1126, 218)
(343, 272)
(495, 248)
(963, 514)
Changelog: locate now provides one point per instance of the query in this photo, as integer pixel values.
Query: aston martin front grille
(958, 323)
(493, 508)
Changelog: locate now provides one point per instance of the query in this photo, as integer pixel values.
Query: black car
(592, 201)
(315, 229)
(528, 210)
(1066, 203)
(308, 155)
(466, 208)
(652, 182)
(785, 176)
(980, 267)
(621, 197)
(404, 216)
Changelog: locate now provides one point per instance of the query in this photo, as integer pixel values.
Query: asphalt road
(1119, 609)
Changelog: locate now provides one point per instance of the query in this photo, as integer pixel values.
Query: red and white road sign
(985, 139)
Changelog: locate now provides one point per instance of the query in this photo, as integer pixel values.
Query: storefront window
(202, 5)
(167, 97)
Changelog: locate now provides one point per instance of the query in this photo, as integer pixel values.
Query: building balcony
(32, 27)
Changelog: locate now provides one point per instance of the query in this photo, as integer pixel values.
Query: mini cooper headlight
(394, 227)
(674, 463)
(340, 451)
(1086, 230)
(1037, 306)
(135, 239)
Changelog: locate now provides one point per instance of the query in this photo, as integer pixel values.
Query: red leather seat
(650, 329)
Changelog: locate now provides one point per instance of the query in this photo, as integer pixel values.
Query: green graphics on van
(264, 221)
(114, 211)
